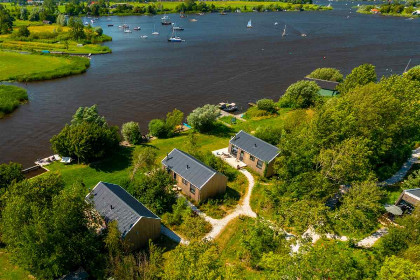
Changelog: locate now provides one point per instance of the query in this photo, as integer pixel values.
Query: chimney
(188, 167)
(167, 156)
(255, 145)
(112, 207)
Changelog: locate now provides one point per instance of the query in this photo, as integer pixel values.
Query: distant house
(195, 179)
(136, 223)
(375, 11)
(46, 22)
(409, 199)
(254, 152)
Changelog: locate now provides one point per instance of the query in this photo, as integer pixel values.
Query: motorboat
(228, 107)
(128, 31)
(178, 28)
(137, 28)
(143, 36)
(110, 25)
(165, 20)
(193, 20)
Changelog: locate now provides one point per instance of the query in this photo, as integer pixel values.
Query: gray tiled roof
(114, 203)
(415, 192)
(188, 167)
(255, 146)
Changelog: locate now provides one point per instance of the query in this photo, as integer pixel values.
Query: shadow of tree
(220, 130)
(119, 160)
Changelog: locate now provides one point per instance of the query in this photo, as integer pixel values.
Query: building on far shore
(409, 199)
(193, 177)
(254, 152)
(136, 223)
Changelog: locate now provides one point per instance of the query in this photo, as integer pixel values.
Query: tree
(158, 128)
(174, 118)
(413, 74)
(302, 94)
(10, 173)
(203, 118)
(89, 115)
(45, 226)
(6, 21)
(270, 134)
(360, 208)
(76, 28)
(359, 76)
(131, 132)
(398, 268)
(413, 180)
(328, 74)
(23, 31)
(24, 14)
(154, 190)
(144, 158)
(347, 162)
(61, 20)
(266, 105)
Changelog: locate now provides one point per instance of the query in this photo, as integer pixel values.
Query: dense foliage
(328, 74)
(203, 118)
(10, 173)
(45, 226)
(266, 105)
(6, 21)
(359, 76)
(302, 94)
(131, 132)
(88, 138)
(163, 128)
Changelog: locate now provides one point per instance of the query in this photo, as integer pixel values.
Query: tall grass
(10, 98)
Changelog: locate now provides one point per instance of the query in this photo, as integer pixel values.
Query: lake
(220, 60)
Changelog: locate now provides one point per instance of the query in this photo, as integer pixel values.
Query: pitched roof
(189, 168)
(255, 146)
(324, 84)
(415, 193)
(114, 203)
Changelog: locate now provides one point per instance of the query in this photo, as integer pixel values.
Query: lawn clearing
(8, 271)
(32, 67)
(10, 98)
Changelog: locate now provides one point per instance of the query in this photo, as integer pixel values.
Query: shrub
(9, 173)
(302, 94)
(328, 74)
(131, 132)
(203, 118)
(266, 105)
(269, 134)
(23, 31)
(158, 128)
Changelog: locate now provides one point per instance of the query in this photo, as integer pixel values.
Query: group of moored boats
(228, 107)
(173, 38)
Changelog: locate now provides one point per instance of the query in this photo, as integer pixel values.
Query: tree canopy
(203, 118)
(302, 94)
(328, 74)
(359, 76)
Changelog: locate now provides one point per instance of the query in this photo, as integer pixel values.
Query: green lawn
(31, 67)
(10, 98)
(8, 271)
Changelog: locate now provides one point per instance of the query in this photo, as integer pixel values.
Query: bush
(9, 173)
(269, 134)
(10, 98)
(203, 118)
(266, 105)
(328, 74)
(131, 132)
(359, 76)
(158, 128)
(23, 31)
(302, 94)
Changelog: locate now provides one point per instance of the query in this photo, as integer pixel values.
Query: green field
(32, 67)
(10, 98)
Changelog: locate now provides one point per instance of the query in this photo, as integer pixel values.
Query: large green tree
(10, 173)
(359, 76)
(302, 94)
(328, 74)
(6, 21)
(203, 118)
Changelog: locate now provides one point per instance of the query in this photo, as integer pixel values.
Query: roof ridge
(198, 161)
(105, 183)
(256, 138)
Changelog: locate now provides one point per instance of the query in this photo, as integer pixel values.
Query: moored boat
(249, 25)
(228, 107)
(137, 28)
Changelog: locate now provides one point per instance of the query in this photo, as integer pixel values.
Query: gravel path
(404, 169)
(244, 209)
(370, 240)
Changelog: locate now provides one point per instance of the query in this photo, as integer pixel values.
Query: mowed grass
(72, 48)
(10, 98)
(31, 67)
(8, 271)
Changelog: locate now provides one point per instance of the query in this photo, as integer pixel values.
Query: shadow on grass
(220, 130)
(166, 243)
(119, 160)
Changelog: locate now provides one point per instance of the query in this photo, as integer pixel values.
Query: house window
(259, 164)
(174, 176)
(192, 189)
(241, 155)
(184, 181)
(234, 150)
(252, 158)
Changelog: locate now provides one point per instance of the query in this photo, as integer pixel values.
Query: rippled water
(221, 60)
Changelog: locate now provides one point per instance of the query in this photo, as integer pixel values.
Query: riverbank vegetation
(34, 67)
(399, 9)
(10, 98)
(355, 139)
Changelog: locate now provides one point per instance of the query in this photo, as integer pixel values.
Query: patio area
(224, 154)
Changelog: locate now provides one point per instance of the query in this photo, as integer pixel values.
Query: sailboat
(284, 31)
(165, 20)
(154, 31)
(174, 38)
(249, 25)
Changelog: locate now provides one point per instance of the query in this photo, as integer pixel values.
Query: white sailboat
(174, 38)
(249, 25)
(284, 31)
(154, 31)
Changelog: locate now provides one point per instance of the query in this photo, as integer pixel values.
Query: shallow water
(221, 60)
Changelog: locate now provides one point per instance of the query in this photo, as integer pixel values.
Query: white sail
(249, 25)
(284, 31)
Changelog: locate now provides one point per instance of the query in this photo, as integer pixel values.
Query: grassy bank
(34, 67)
(387, 10)
(10, 98)
(8, 271)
